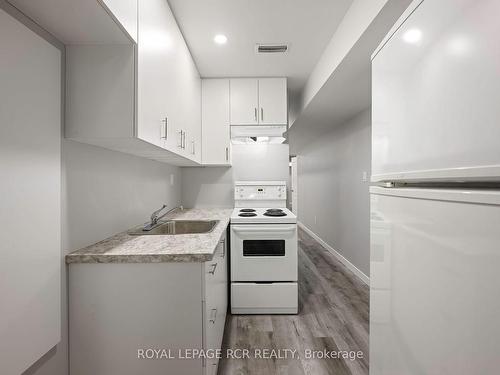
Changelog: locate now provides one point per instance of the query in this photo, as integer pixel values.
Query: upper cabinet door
(215, 121)
(187, 99)
(157, 60)
(244, 101)
(273, 101)
(169, 85)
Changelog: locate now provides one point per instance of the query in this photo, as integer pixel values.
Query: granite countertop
(125, 248)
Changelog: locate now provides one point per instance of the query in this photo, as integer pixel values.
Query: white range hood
(258, 133)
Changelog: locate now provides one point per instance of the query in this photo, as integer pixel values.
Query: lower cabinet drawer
(216, 269)
(256, 298)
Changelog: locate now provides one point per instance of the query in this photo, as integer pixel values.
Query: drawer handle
(214, 267)
(214, 313)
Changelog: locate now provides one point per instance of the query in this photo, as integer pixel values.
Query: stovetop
(246, 215)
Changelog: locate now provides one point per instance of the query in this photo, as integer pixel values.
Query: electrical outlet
(172, 179)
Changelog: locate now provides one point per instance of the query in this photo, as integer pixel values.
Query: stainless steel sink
(173, 227)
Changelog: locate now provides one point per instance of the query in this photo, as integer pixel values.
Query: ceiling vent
(271, 48)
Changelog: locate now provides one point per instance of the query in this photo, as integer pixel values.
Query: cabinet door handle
(192, 148)
(227, 153)
(255, 114)
(180, 139)
(223, 255)
(183, 139)
(214, 267)
(165, 128)
(261, 114)
(214, 313)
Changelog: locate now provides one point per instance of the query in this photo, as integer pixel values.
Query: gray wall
(333, 201)
(213, 186)
(103, 193)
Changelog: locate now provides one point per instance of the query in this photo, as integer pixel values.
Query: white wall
(30, 195)
(213, 187)
(357, 19)
(333, 200)
(339, 85)
(104, 192)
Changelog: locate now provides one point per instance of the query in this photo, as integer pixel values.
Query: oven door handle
(264, 229)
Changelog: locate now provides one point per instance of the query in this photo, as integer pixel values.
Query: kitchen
(209, 181)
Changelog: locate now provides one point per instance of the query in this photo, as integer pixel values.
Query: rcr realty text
(256, 353)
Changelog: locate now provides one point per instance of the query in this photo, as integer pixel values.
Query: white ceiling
(306, 25)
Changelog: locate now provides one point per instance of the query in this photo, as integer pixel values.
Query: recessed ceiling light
(412, 36)
(220, 39)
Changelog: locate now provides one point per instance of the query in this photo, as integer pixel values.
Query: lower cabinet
(147, 318)
(215, 304)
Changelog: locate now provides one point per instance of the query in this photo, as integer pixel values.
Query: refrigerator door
(436, 85)
(435, 282)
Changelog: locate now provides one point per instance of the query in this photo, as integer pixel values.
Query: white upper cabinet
(215, 122)
(156, 73)
(259, 101)
(142, 99)
(273, 101)
(244, 101)
(169, 95)
(187, 95)
(125, 12)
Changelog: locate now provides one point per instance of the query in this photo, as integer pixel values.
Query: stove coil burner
(247, 214)
(247, 210)
(274, 212)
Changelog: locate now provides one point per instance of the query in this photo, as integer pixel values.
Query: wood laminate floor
(333, 316)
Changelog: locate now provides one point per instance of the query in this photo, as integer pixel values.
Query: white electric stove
(263, 250)
(272, 215)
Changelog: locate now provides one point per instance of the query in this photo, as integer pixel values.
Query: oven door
(264, 252)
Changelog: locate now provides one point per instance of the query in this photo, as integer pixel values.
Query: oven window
(263, 248)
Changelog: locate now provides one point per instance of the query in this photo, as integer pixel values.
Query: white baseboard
(337, 255)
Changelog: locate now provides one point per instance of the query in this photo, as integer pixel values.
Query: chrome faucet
(155, 217)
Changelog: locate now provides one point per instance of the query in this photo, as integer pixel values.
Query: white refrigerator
(435, 214)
